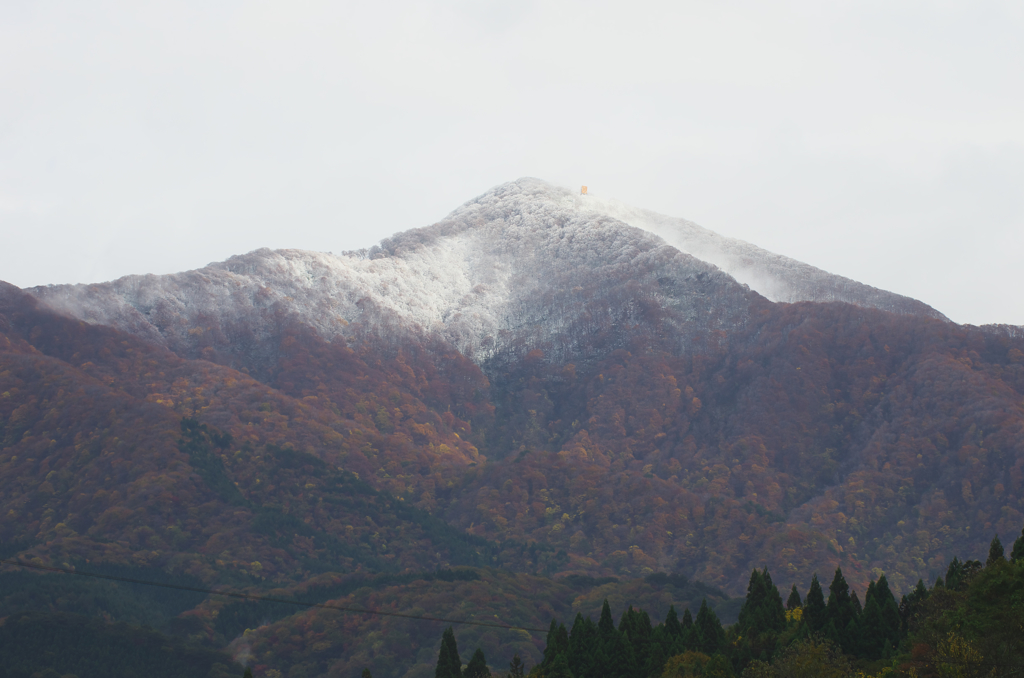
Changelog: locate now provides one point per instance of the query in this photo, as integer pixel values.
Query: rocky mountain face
(542, 383)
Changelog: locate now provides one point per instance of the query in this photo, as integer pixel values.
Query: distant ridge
(775, 276)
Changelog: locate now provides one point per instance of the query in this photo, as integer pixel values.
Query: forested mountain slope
(528, 386)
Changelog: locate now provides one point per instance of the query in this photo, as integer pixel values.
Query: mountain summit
(506, 271)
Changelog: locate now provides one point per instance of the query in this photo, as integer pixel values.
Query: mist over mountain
(543, 383)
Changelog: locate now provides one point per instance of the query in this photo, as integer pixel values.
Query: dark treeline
(969, 623)
(50, 645)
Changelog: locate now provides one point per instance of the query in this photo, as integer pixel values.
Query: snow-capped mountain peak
(526, 264)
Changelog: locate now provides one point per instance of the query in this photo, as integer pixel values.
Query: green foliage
(477, 667)
(449, 665)
(583, 644)
(516, 669)
(814, 607)
(841, 614)
(556, 645)
(793, 602)
(718, 666)
(605, 625)
(879, 630)
(960, 574)
(1017, 554)
(762, 609)
(995, 551)
(621, 660)
(708, 631)
(686, 665)
(762, 618)
(808, 658)
(974, 628)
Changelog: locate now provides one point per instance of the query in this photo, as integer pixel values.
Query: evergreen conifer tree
(911, 604)
(854, 628)
(248, 673)
(641, 636)
(656, 660)
(814, 607)
(870, 641)
(689, 638)
(477, 667)
(559, 668)
(959, 574)
(621, 662)
(995, 551)
(582, 645)
(366, 674)
(598, 662)
(516, 669)
(709, 631)
(750, 613)
(793, 602)
(774, 612)
(954, 572)
(606, 633)
(1017, 554)
(673, 628)
(629, 628)
(891, 621)
(557, 644)
(549, 645)
(831, 633)
(449, 664)
(761, 618)
(605, 625)
(881, 624)
(839, 611)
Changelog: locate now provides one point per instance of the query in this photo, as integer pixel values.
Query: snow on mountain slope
(526, 265)
(776, 277)
(518, 267)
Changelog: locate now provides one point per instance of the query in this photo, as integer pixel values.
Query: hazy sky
(883, 141)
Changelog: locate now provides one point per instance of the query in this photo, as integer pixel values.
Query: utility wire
(358, 610)
(270, 599)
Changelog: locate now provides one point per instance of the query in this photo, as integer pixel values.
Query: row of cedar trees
(701, 646)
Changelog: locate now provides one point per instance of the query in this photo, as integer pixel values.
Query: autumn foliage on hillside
(828, 435)
(810, 437)
(115, 449)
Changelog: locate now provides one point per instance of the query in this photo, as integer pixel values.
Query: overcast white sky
(883, 141)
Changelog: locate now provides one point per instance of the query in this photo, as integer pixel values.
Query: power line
(270, 599)
(357, 610)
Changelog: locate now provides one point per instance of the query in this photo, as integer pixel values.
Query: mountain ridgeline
(536, 385)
